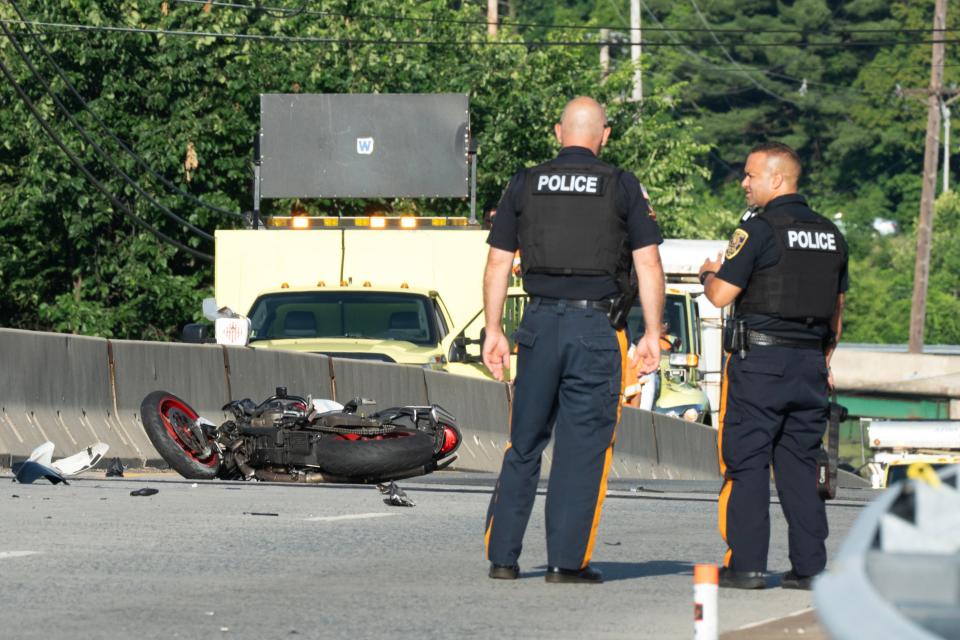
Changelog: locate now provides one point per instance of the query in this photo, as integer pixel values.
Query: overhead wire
(117, 203)
(99, 150)
(727, 55)
(704, 62)
(257, 37)
(286, 12)
(133, 154)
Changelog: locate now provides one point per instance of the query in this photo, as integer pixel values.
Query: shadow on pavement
(613, 571)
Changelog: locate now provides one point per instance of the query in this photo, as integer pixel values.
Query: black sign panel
(363, 145)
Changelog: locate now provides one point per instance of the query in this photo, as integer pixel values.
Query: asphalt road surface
(260, 561)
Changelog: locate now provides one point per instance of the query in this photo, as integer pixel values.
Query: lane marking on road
(775, 619)
(16, 554)
(353, 516)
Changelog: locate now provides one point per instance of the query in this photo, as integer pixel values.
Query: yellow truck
(409, 290)
(363, 287)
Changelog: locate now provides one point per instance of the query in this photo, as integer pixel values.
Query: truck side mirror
(458, 349)
(196, 333)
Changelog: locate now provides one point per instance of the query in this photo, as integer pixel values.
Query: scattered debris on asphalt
(29, 471)
(396, 497)
(115, 470)
(71, 465)
(145, 492)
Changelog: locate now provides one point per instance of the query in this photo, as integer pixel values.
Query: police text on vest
(568, 183)
(815, 240)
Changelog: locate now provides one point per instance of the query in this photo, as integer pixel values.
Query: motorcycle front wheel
(167, 420)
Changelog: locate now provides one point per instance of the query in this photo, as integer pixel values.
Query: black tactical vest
(805, 282)
(569, 223)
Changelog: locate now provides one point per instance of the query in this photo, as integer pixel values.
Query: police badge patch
(737, 241)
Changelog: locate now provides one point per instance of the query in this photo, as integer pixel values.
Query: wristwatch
(703, 276)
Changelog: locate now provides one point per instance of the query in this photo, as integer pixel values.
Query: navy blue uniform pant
(774, 410)
(568, 383)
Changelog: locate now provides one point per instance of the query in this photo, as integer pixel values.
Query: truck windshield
(674, 315)
(343, 314)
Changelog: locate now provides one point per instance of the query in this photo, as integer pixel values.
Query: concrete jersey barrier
(75, 390)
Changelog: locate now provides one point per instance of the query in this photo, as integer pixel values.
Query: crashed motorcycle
(288, 438)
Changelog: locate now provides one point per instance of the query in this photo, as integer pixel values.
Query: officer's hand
(829, 379)
(646, 357)
(496, 353)
(712, 265)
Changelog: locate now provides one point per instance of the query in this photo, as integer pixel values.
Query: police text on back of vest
(569, 183)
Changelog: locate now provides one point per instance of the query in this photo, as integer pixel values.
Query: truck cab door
(463, 346)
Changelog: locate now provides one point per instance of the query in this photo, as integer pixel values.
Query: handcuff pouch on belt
(735, 338)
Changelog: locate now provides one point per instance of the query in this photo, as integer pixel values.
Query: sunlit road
(260, 561)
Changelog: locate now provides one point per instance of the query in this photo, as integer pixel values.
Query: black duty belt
(758, 339)
(601, 305)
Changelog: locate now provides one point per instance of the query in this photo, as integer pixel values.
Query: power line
(120, 206)
(705, 63)
(288, 13)
(99, 150)
(446, 43)
(734, 62)
(137, 158)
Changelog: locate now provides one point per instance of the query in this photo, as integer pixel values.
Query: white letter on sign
(365, 146)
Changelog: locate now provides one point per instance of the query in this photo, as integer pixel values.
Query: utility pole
(636, 49)
(492, 18)
(604, 52)
(945, 114)
(918, 311)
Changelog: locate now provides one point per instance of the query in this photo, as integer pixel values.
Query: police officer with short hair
(786, 269)
(580, 224)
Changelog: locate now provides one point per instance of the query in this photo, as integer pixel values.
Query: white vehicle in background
(681, 265)
(897, 444)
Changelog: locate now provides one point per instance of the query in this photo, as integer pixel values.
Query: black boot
(731, 579)
(587, 575)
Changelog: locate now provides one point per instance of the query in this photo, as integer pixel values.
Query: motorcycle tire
(164, 416)
(372, 460)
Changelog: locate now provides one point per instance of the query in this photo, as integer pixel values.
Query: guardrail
(75, 390)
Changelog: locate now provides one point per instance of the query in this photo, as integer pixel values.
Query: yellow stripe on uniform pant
(602, 493)
(725, 492)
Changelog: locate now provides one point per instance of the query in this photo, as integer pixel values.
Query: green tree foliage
(856, 114)
(879, 306)
(74, 262)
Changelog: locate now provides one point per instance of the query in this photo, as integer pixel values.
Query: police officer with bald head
(785, 269)
(580, 225)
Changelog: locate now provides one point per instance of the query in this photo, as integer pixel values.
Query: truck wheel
(375, 459)
(167, 419)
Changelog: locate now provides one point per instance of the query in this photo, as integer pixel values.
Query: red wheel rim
(176, 417)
